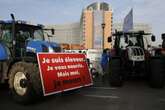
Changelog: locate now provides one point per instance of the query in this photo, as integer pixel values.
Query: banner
(63, 71)
(128, 22)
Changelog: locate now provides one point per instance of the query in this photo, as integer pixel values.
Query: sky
(68, 11)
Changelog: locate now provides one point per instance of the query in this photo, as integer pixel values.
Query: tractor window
(30, 32)
(38, 34)
(123, 44)
(132, 40)
(22, 35)
(6, 35)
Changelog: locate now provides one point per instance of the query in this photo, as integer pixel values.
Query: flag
(128, 22)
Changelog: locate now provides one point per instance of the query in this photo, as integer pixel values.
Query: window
(38, 34)
(6, 36)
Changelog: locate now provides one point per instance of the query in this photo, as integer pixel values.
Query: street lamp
(103, 26)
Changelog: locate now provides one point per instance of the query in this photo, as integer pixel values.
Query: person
(105, 62)
(163, 47)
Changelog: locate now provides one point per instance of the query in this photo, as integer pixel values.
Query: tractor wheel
(157, 73)
(115, 77)
(35, 78)
(22, 79)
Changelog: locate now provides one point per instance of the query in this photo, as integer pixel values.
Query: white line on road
(106, 88)
(102, 96)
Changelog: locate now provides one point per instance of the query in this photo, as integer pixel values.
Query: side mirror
(153, 38)
(163, 36)
(110, 39)
(52, 30)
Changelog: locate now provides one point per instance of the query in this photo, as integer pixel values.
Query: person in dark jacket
(105, 61)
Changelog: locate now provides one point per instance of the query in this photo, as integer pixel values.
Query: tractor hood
(36, 46)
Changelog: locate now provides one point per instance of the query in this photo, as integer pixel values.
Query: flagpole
(132, 17)
(132, 12)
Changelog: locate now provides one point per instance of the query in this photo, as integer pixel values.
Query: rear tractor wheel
(157, 71)
(22, 82)
(115, 77)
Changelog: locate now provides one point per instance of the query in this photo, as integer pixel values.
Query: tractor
(20, 42)
(163, 44)
(161, 50)
(131, 58)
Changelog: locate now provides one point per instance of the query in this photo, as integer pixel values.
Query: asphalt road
(134, 95)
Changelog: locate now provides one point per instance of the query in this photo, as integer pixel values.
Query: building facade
(89, 33)
(65, 33)
(96, 25)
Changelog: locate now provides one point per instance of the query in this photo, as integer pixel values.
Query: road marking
(102, 96)
(106, 88)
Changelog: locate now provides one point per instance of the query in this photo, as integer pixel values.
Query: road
(134, 95)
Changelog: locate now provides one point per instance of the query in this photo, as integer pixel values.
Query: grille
(137, 51)
(136, 54)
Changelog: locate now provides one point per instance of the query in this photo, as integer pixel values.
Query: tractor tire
(24, 81)
(157, 73)
(35, 78)
(115, 77)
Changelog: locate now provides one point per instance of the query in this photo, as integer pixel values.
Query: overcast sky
(67, 11)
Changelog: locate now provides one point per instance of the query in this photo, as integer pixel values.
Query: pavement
(134, 95)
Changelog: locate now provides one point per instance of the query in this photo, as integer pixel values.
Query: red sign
(63, 71)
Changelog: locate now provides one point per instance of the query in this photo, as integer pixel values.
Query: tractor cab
(16, 40)
(133, 44)
(24, 39)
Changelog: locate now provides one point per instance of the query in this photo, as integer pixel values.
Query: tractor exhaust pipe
(13, 35)
(12, 16)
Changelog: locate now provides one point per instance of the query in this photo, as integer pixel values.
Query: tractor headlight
(51, 49)
(45, 48)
